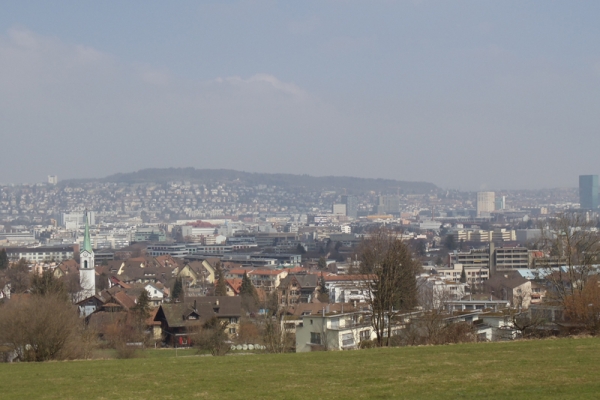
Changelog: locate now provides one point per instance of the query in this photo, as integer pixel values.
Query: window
(365, 335)
(232, 331)
(315, 338)
(233, 320)
(347, 339)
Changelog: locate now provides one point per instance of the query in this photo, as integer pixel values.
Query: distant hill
(352, 185)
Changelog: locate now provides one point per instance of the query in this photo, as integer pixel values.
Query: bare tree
(583, 308)
(123, 335)
(570, 240)
(47, 284)
(275, 337)
(389, 272)
(39, 328)
(72, 287)
(211, 336)
(18, 275)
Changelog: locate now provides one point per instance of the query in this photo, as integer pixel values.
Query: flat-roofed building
(588, 192)
(486, 203)
(479, 258)
(37, 254)
(508, 258)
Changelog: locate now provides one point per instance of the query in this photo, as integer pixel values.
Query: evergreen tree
(450, 242)
(3, 259)
(247, 288)
(300, 249)
(322, 287)
(142, 307)
(322, 263)
(248, 294)
(177, 290)
(463, 276)
(323, 295)
(221, 287)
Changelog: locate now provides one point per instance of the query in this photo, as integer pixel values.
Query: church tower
(87, 272)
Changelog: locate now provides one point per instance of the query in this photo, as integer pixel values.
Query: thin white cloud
(265, 79)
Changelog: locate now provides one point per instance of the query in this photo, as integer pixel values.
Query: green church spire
(87, 242)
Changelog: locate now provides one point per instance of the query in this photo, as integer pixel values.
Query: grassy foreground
(565, 369)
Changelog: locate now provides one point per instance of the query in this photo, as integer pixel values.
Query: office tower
(52, 179)
(392, 204)
(339, 209)
(485, 203)
(500, 202)
(351, 203)
(588, 192)
(388, 204)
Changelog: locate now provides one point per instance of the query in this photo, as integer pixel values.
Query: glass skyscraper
(588, 191)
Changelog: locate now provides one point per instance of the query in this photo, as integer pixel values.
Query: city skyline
(465, 95)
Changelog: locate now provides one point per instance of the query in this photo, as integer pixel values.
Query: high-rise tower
(486, 203)
(351, 203)
(588, 192)
(87, 272)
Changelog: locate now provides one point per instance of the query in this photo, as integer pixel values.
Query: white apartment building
(333, 331)
(75, 220)
(475, 274)
(435, 292)
(486, 203)
(38, 254)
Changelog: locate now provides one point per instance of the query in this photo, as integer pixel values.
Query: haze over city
(364, 199)
(467, 95)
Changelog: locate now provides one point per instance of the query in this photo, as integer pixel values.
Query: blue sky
(464, 94)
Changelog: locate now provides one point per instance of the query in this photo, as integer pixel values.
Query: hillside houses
(178, 320)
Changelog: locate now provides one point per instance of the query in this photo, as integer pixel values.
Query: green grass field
(561, 369)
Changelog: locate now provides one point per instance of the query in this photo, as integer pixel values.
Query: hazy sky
(464, 94)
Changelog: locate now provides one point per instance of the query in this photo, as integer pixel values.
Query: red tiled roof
(123, 299)
(235, 284)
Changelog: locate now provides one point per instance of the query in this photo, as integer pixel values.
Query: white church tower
(87, 272)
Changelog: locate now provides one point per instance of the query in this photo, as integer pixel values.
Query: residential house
(435, 292)
(298, 288)
(347, 288)
(65, 268)
(233, 286)
(178, 320)
(264, 279)
(333, 331)
(511, 287)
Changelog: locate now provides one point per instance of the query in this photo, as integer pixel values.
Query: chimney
(195, 309)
